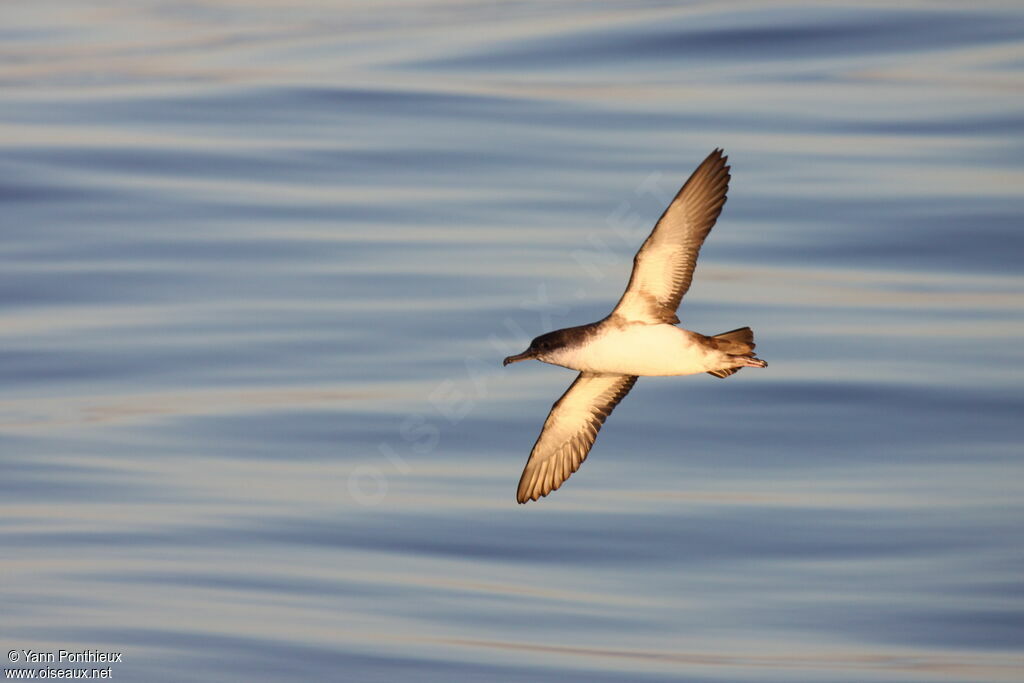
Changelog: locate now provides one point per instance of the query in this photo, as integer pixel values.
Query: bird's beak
(525, 355)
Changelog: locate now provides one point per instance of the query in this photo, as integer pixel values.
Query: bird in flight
(638, 338)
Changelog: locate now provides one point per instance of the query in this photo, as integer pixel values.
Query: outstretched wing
(663, 268)
(570, 430)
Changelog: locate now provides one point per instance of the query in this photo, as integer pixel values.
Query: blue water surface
(260, 263)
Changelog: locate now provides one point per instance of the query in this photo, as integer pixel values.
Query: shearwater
(638, 338)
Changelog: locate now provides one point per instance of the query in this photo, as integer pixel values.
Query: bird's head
(541, 348)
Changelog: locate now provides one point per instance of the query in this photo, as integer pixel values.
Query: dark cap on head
(551, 341)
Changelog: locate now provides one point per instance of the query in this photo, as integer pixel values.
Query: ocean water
(260, 263)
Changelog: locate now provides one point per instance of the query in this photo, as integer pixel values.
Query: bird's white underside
(640, 349)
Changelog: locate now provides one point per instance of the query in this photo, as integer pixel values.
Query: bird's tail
(738, 342)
